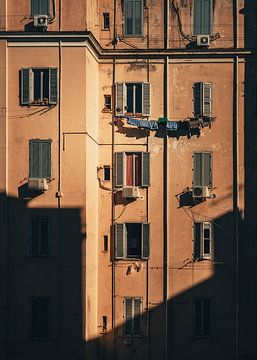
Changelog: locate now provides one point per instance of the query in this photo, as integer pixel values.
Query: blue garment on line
(172, 125)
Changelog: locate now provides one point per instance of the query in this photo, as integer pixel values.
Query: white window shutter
(146, 99)
(120, 161)
(27, 87)
(120, 241)
(120, 98)
(206, 93)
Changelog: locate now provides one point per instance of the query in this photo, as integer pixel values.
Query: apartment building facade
(128, 201)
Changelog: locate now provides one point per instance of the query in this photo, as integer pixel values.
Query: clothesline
(151, 124)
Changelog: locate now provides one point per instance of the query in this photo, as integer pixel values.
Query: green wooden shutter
(39, 7)
(128, 316)
(120, 158)
(137, 316)
(44, 236)
(34, 236)
(53, 86)
(137, 17)
(34, 159)
(206, 94)
(197, 241)
(206, 169)
(197, 99)
(197, 17)
(197, 169)
(146, 99)
(145, 241)
(120, 98)
(27, 87)
(119, 241)
(45, 159)
(206, 17)
(145, 163)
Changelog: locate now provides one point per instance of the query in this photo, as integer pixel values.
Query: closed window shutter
(128, 316)
(119, 241)
(197, 241)
(202, 169)
(34, 236)
(45, 328)
(198, 99)
(206, 16)
(145, 241)
(206, 91)
(120, 98)
(34, 159)
(45, 159)
(145, 163)
(35, 7)
(120, 158)
(146, 99)
(137, 317)
(137, 18)
(53, 86)
(206, 169)
(27, 87)
(197, 317)
(44, 233)
(35, 318)
(40, 7)
(197, 17)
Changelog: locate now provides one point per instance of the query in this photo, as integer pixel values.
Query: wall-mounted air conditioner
(203, 40)
(130, 192)
(38, 184)
(200, 192)
(41, 21)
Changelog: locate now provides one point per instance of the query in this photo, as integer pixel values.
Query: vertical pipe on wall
(235, 23)
(165, 208)
(166, 24)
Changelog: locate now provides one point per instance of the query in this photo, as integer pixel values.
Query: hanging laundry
(172, 125)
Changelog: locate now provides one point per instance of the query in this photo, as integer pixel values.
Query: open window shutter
(120, 98)
(53, 86)
(206, 17)
(197, 241)
(27, 88)
(197, 170)
(206, 169)
(119, 168)
(128, 316)
(198, 99)
(34, 159)
(145, 241)
(137, 317)
(45, 159)
(206, 99)
(145, 163)
(119, 241)
(197, 17)
(146, 94)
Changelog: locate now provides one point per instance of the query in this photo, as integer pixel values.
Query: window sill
(133, 36)
(105, 29)
(106, 110)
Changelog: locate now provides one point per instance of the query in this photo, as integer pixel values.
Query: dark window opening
(40, 321)
(107, 102)
(134, 234)
(134, 98)
(41, 85)
(104, 323)
(106, 17)
(107, 173)
(202, 317)
(133, 169)
(39, 236)
(105, 243)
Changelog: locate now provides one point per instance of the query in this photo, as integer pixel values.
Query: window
(132, 240)
(39, 7)
(106, 19)
(202, 99)
(133, 17)
(202, 169)
(40, 318)
(202, 17)
(132, 169)
(40, 159)
(107, 173)
(133, 316)
(132, 98)
(107, 102)
(38, 86)
(203, 241)
(202, 317)
(40, 236)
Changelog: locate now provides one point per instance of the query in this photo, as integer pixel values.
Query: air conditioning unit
(200, 192)
(38, 184)
(130, 192)
(41, 21)
(203, 40)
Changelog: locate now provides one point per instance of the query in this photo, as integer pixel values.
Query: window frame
(202, 169)
(202, 101)
(125, 30)
(106, 21)
(202, 332)
(32, 14)
(202, 255)
(201, 15)
(33, 336)
(133, 316)
(40, 159)
(39, 252)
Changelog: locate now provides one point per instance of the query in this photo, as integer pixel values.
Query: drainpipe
(166, 24)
